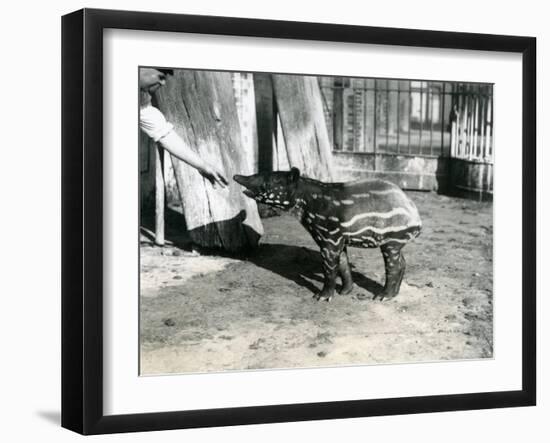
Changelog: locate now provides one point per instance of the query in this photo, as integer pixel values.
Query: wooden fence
(472, 123)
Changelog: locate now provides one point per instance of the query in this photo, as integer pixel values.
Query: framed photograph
(269, 221)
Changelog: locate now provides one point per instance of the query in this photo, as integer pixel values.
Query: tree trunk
(305, 132)
(201, 106)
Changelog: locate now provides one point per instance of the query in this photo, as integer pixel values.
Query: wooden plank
(201, 106)
(243, 89)
(265, 120)
(280, 156)
(160, 200)
(327, 94)
(300, 109)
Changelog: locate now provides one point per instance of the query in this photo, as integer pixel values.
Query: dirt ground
(203, 313)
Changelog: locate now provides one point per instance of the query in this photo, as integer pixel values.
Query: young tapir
(363, 213)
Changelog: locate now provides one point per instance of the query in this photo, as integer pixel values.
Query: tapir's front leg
(331, 260)
(395, 269)
(345, 273)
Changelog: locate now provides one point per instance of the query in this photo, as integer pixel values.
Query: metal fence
(409, 117)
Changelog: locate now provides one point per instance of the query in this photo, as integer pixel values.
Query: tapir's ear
(294, 174)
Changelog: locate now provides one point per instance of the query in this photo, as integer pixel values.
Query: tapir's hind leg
(345, 273)
(331, 266)
(395, 269)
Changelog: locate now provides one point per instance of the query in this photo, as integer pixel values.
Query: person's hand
(213, 175)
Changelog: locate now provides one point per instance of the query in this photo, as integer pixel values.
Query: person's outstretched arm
(174, 144)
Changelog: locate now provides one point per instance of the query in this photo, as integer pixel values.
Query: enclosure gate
(430, 122)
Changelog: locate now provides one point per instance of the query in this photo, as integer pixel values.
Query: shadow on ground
(215, 312)
(300, 265)
(225, 237)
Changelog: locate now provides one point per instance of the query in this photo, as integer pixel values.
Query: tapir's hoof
(384, 295)
(346, 289)
(323, 296)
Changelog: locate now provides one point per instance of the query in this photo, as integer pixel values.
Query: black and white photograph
(243, 222)
(303, 221)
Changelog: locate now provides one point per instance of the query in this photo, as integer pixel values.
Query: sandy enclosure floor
(202, 313)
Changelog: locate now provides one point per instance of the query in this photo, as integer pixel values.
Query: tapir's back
(374, 212)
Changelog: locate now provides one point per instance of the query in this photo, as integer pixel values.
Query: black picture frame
(82, 215)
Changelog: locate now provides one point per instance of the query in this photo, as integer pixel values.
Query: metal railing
(409, 117)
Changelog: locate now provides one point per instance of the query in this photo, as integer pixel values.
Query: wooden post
(159, 196)
(300, 109)
(243, 89)
(266, 120)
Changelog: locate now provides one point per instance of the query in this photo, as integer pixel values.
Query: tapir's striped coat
(365, 213)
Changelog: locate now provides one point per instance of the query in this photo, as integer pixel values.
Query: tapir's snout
(275, 188)
(240, 179)
(249, 182)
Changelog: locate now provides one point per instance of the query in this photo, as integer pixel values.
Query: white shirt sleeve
(153, 123)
